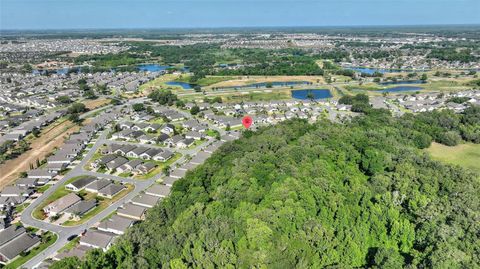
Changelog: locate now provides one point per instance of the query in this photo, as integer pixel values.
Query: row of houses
(258, 105)
(19, 132)
(433, 101)
(104, 235)
(14, 241)
(73, 205)
(10, 197)
(103, 187)
(115, 163)
(170, 114)
(178, 141)
(140, 152)
(147, 127)
(23, 189)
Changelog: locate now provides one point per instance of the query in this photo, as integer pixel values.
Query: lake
(402, 89)
(403, 82)
(152, 67)
(141, 67)
(317, 94)
(370, 71)
(273, 84)
(184, 85)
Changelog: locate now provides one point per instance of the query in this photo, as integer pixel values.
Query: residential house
(125, 149)
(147, 139)
(185, 143)
(150, 153)
(130, 166)
(27, 182)
(111, 190)
(178, 173)
(153, 127)
(158, 190)
(144, 168)
(163, 156)
(168, 129)
(194, 135)
(102, 161)
(58, 206)
(117, 162)
(97, 185)
(135, 153)
(43, 175)
(15, 240)
(132, 211)
(116, 224)
(97, 239)
(80, 184)
(81, 208)
(146, 200)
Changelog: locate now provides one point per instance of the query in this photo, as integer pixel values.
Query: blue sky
(87, 14)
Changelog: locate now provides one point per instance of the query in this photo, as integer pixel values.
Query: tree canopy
(323, 195)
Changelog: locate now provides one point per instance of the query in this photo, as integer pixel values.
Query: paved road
(64, 232)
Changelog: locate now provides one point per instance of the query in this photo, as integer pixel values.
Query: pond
(315, 93)
(402, 89)
(403, 82)
(152, 67)
(65, 70)
(272, 84)
(184, 85)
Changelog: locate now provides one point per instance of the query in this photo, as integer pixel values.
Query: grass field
(257, 96)
(206, 81)
(464, 155)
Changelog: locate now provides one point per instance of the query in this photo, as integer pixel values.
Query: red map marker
(247, 121)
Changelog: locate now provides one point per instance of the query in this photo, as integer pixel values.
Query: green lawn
(212, 133)
(49, 239)
(60, 192)
(43, 188)
(258, 96)
(465, 155)
(97, 155)
(159, 167)
(196, 143)
(70, 245)
(21, 207)
(206, 81)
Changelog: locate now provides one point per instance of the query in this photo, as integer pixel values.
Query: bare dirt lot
(92, 104)
(50, 138)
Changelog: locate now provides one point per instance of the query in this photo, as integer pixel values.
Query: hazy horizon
(214, 14)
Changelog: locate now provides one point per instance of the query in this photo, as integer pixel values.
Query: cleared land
(92, 104)
(50, 138)
(464, 155)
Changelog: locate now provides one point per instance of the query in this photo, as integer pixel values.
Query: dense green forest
(326, 195)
